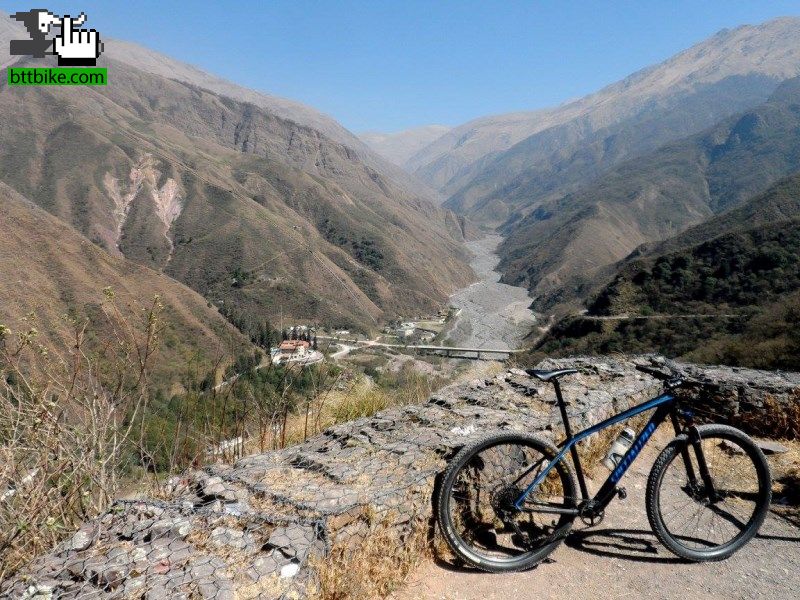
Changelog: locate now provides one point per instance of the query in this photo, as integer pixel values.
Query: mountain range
(579, 186)
(272, 210)
(567, 241)
(665, 159)
(480, 163)
(268, 209)
(725, 291)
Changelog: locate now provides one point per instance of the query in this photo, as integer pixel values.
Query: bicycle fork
(695, 441)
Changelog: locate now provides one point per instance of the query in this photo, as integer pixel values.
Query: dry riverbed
(493, 314)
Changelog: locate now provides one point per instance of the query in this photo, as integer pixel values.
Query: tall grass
(396, 389)
(372, 565)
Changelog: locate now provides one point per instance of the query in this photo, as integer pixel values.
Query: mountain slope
(229, 199)
(781, 202)
(399, 147)
(479, 162)
(727, 291)
(561, 159)
(156, 63)
(52, 271)
(565, 243)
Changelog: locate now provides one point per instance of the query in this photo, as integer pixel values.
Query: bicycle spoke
(694, 516)
(482, 502)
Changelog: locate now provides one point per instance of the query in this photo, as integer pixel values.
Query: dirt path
(620, 558)
(626, 317)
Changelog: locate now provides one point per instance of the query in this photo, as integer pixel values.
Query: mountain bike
(509, 499)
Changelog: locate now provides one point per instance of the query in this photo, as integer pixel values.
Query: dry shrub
(363, 400)
(366, 398)
(373, 566)
(66, 418)
(780, 420)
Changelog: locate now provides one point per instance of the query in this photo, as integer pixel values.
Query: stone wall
(256, 529)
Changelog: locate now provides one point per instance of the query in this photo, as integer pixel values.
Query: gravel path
(620, 558)
(493, 314)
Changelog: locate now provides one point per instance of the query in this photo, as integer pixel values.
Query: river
(493, 314)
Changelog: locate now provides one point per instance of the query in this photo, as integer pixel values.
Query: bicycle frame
(664, 405)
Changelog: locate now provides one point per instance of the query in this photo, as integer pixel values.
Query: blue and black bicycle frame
(665, 405)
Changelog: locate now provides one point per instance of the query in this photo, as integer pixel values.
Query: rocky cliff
(271, 524)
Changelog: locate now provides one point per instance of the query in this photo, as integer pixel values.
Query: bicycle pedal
(622, 493)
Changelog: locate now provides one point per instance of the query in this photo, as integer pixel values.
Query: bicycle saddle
(548, 375)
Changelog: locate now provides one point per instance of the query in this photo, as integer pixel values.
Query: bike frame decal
(633, 452)
(660, 401)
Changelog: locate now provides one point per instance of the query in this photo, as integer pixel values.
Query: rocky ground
(274, 525)
(493, 314)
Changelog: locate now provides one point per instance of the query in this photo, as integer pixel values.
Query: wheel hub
(503, 500)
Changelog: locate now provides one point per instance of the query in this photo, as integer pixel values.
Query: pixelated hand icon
(77, 47)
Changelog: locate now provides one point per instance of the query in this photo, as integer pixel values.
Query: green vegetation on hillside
(732, 273)
(734, 299)
(561, 250)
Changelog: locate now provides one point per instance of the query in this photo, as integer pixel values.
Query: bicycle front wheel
(706, 523)
(475, 504)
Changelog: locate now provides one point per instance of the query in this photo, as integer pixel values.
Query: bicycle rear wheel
(703, 525)
(475, 504)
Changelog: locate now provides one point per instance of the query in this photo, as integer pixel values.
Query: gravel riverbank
(493, 314)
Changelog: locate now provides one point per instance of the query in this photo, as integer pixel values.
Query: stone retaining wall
(256, 529)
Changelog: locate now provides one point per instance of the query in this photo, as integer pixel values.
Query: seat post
(563, 408)
(568, 430)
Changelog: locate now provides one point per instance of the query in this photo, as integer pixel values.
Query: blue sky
(388, 66)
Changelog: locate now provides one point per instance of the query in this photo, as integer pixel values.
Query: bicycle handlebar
(673, 376)
(654, 372)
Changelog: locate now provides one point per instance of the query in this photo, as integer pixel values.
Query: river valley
(493, 314)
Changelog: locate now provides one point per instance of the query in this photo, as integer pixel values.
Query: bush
(67, 426)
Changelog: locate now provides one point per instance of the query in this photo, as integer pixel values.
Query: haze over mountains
(401, 146)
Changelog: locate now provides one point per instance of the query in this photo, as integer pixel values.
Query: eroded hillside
(251, 210)
(52, 272)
